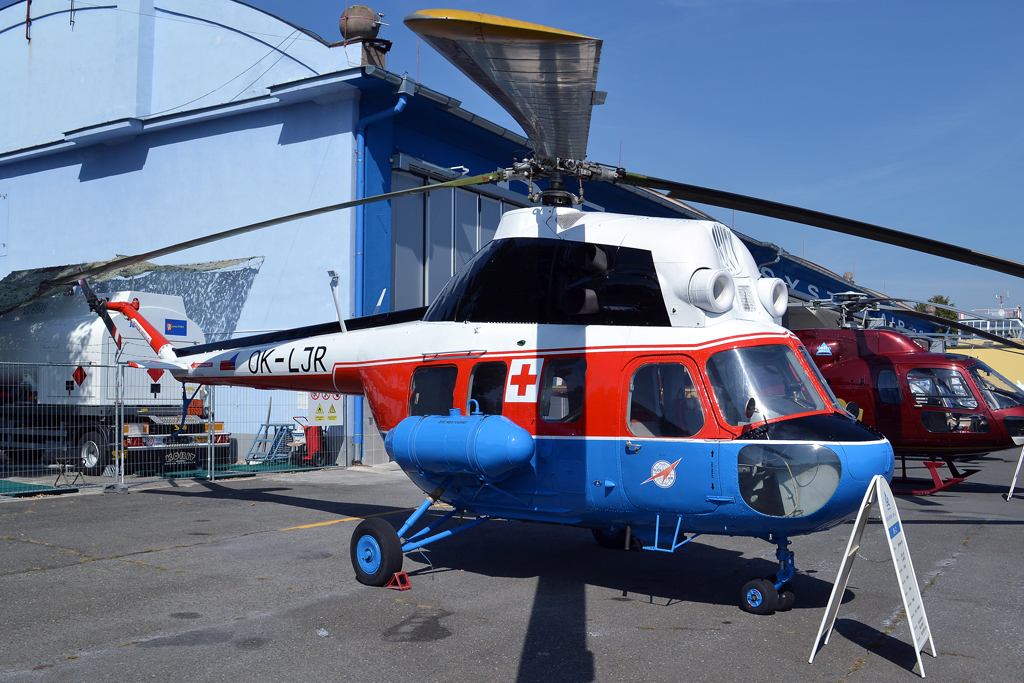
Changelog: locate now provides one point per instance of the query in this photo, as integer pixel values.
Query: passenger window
(433, 390)
(487, 386)
(953, 423)
(561, 398)
(663, 401)
(889, 387)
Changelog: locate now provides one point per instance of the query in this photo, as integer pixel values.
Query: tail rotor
(99, 307)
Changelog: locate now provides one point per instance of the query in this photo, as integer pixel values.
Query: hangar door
(435, 233)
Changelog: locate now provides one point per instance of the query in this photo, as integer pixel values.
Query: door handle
(633, 447)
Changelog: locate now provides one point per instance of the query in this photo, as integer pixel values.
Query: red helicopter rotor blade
(988, 336)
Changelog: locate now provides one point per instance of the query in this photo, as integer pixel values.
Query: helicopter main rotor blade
(545, 78)
(795, 214)
(117, 264)
(946, 322)
(952, 309)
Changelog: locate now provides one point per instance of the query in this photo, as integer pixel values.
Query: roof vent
(361, 24)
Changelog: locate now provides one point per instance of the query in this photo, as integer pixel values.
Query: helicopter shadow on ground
(275, 495)
(569, 566)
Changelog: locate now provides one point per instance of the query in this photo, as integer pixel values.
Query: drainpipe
(405, 89)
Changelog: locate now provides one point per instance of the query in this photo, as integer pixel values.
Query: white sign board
(879, 490)
(326, 409)
(1013, 484)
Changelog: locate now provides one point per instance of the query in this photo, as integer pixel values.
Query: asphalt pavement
(250, 580)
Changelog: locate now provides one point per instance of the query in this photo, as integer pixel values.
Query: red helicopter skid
(940, 484)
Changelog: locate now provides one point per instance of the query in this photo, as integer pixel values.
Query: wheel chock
(400, 582)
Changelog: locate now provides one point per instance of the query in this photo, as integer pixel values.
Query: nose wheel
(772, 593)
(759, 597)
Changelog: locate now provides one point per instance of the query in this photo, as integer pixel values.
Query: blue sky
(909, 115)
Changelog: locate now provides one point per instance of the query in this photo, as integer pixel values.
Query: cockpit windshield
(999, 392)
(770, 375)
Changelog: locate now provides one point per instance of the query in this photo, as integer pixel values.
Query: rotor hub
(555, 171)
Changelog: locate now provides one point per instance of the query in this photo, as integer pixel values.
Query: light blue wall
(139, 126)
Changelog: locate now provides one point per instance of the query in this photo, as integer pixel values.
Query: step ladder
(272, 443)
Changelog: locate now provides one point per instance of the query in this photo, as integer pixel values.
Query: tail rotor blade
(99, 307)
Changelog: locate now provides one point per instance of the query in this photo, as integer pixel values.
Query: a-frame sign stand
(1013, 484)
(920, 631)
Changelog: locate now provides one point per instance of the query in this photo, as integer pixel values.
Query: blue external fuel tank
(487, 446)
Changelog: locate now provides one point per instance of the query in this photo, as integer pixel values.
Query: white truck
(58, 390)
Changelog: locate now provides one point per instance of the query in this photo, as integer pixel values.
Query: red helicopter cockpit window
(561, 398)
(433, 390)
(999, 393)
(771, 375)
(663, 401)
(487, 386)
(940, 388)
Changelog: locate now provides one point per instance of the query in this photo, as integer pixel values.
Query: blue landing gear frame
(675, 537)
(787, 565)
(410, 544)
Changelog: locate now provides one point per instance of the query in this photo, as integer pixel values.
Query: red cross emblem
(522, 380)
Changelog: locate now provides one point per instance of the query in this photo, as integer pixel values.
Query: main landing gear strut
(377, 551)
(772, 593)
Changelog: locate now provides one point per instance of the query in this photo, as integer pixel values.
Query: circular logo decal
(662, 478)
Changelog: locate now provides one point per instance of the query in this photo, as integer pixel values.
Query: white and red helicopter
(624, 374)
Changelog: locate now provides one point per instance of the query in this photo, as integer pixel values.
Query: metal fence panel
(87, 425)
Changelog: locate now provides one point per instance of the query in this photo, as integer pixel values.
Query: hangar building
(133, 124)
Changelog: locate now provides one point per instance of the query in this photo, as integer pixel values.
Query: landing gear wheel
(376, 552)
(91, 452)
(759, 597)
(786, 599)
(610, 538)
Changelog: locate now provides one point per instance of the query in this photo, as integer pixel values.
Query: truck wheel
(92, 452)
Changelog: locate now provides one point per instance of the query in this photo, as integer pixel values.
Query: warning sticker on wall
(325, 409)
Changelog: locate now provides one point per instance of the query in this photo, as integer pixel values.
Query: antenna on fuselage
(334, 292)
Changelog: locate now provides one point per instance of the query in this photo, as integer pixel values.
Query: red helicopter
(622, 374)
(937, 406)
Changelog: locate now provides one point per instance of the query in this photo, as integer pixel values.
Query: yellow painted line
(346, 519)
(439, 506)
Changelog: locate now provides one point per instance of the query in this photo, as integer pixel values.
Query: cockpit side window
(562, 389)
(663, 402)
(432, 390)
(999, 393)
(487, 386)
(771, 375)
(940, 388)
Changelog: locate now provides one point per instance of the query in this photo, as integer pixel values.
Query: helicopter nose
(864, 461)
